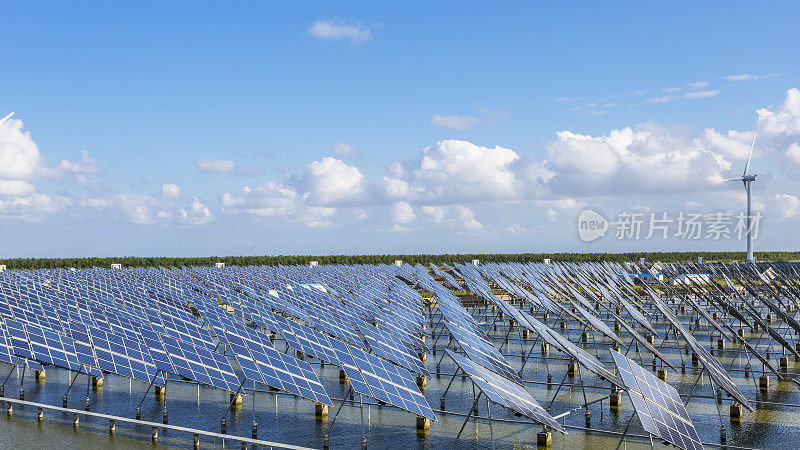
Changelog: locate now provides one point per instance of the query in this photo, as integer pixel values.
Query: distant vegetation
(134, 261)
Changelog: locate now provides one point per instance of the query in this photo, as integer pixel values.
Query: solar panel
(587, 360)
(391, 384)
(19, 340)
(278, 369)
(59, 348)
(122, 356)
(637, 316)
(483, 352)
(597, 323)
(715, 369)
(200, 364)
(387, 346)
(307, 340)
(657, 405)
(504, 392)
(6, 352)
(350, 367)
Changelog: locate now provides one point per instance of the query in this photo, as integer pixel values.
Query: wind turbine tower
(747, 179)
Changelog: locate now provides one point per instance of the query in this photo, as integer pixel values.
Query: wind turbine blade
(6, 118)
(733, 179)
(747, 166)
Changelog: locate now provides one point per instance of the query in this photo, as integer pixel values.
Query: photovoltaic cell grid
(391, 384)
(387, 346)
(350, 367)
(505, 393)
(657, 405)
(307, 340)
(200, 364)
(261, 362)
(122, 356)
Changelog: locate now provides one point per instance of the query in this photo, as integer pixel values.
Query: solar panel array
(657, 405)
(218, 326)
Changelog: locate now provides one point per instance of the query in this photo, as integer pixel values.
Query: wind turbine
(747, 179)
(6, 118)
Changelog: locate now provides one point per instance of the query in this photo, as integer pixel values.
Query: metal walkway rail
(191, 431)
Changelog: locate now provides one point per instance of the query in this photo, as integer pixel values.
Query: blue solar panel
(391, 384)
(387, 346)
(503, 392)
(307, 340)
(657, 405)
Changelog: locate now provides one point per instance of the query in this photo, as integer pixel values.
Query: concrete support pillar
(572, 369)
(38, 375)
(422, 383)
(236, 399)
(783, 362)
(75, 420)
(423, 425)
(545, 348)
(763, 382)
(154, 434)
(97, 382)
(160, 392)
(112, 427)
(662, 375)
(544, 439)
(736, 413)
(615, 401)
(342, 376)
(321, 411)
(39, 414)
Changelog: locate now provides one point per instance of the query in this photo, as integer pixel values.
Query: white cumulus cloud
(196, 213)
(348, 29)
(332, 181)
(170, 190)
(214, 165)
(402, 213)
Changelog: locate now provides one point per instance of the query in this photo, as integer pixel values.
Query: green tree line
(158, 261)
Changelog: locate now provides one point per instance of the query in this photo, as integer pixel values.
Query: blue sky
(375, 128)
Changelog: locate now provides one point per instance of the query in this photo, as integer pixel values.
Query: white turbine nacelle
(6, 118)
(747, 179)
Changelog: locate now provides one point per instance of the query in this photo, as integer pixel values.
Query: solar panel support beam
(145, 392)
(233, 400)
(333, 421)
(472, 409)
